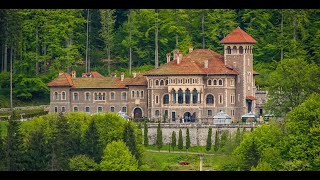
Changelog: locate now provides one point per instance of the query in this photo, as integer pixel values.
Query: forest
(41, 42)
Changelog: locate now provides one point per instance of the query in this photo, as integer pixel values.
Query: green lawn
(200, 149)
(155, 161)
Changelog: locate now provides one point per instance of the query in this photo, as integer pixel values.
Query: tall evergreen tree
(129, 138)
(180, 140)
(173, 140)
(37, 151)
(252, 156)
(159, 142)
(107, 31)
(188, 139)
(90, 142)
(216, 141)
(2, 153)
(209, 141)
(237, 137)
(139, 134)
(224, 138)
(14, 151)
(145, 134)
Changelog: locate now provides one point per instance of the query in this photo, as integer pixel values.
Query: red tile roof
(250, 98)
(238, 36)
(62, 80)
(95, 74)
(193, 63)
(139, 80)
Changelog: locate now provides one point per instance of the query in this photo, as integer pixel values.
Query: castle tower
(238, 55)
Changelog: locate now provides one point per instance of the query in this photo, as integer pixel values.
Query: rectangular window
(56, 109)
(166, 113)
(87, 109)
(75, 96)
(232, 112)
(75, 109)
(99, 109)
(209, 112)
(112, 109)
(157, 99)
(232, 99)
(124, 109)
(63, 109)
(231, 82)
(220, 99)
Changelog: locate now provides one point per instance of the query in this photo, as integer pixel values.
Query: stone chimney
(113, 74)
(134, 74)
(60, 73)
(122, 76)
(206, 62)
(175, 54)
(73, 74)
(179, 58)
(168, 57)
(190, 49)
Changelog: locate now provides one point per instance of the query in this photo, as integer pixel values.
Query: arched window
(215, 82)
(195, 96)
(174, 96)
(161, 82)
(75, 96)
(210, 99)
(234, 50)
(138, 94)
(220, 82)
(112, 96)
(63, 95)
(157, 82)
(167, 82)
(150, 83)
(56, 96)
(209, 82)
(124, 96)
(132, 94)
(87, 96)
(157, 113)
(166, 99)
(75, 109)
(241, 50)
(228, 50)
(180, 96)
(157, 99)
(187, 96)
(141, 94)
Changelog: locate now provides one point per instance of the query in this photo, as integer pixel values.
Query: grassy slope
(170, 162)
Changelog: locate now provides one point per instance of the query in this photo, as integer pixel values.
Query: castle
(194, 86)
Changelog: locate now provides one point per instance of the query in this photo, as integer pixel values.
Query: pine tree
(188, 140)
(173, 140)
(129, 138)
(90, 142)
(180, 140)
(209, 141)
(37, 151)
(139, 134)
(216, 141)
(237, 137)
(159, 142)
(252, 156)
(2, 153)
(145, 134)
(14, 151)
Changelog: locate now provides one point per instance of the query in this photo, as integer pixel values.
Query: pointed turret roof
(238, 36)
